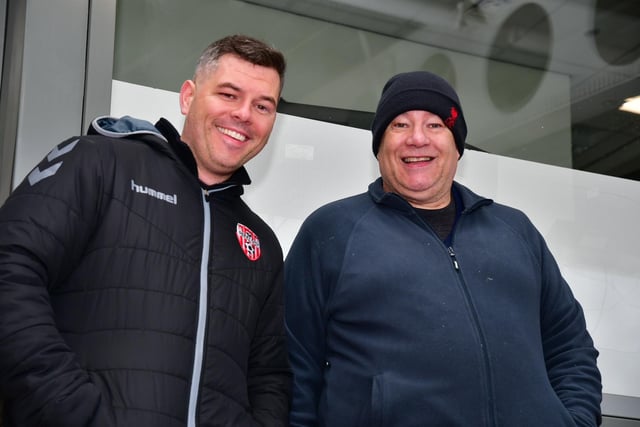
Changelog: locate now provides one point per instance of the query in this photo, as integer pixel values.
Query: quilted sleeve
(269, 378)
(44, 226)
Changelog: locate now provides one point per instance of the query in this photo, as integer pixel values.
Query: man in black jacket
(136, 287)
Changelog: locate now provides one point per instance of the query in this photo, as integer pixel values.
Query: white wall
(589, 220)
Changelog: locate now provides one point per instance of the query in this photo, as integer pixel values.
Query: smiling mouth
(232, 133)
(417, 159)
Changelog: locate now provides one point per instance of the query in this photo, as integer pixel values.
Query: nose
(242, 112)
(418, 136)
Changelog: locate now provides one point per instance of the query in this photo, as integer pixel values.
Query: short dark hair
(245, 47)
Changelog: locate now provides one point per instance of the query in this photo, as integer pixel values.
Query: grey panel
(101, 34)
(3, 19)
(614, 405)
(10, 92)
(619, 422)
(52, 81)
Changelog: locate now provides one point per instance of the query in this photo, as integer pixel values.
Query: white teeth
(417, 159)
(233, 134)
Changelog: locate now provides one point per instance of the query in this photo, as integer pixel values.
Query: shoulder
(88, 150)
(68, 164)
(476, 204)
(497, 214)
(513, 218)
(340, 212)
(504, 221)
(331, 225)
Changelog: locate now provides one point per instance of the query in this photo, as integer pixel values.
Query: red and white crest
(249, 242)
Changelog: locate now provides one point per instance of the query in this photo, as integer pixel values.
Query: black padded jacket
(131, 295)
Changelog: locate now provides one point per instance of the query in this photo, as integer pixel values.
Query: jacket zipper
(202, 313)
(483, 343)
(453, 258)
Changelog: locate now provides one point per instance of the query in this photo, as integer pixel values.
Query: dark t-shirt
(440, 220)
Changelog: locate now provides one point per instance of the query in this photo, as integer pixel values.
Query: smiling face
(418, 159)
(229, 114)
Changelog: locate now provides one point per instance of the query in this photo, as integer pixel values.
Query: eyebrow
(238, 89)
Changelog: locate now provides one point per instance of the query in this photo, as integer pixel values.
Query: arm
(305, 323)
(570, 355)
(42, 230)
(269, 377)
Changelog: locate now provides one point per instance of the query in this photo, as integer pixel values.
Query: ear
(187, 92)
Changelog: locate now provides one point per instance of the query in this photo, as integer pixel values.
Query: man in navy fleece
(420, 303)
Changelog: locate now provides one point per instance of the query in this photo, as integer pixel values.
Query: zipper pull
(453, 258)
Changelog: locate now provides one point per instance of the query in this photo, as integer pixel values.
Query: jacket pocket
(399, 401)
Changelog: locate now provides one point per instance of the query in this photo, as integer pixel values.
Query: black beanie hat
(419, 90)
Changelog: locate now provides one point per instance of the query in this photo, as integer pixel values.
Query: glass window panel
(539, 80)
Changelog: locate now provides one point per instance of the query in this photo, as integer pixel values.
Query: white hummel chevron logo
(37, 175)
(57, 152)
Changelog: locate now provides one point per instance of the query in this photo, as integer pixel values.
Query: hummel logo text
(170, 198)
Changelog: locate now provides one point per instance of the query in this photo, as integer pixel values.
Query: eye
(264, 108)
(399, 125)
(228, 95)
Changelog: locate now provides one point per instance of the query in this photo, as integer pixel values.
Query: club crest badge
(248, 241)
